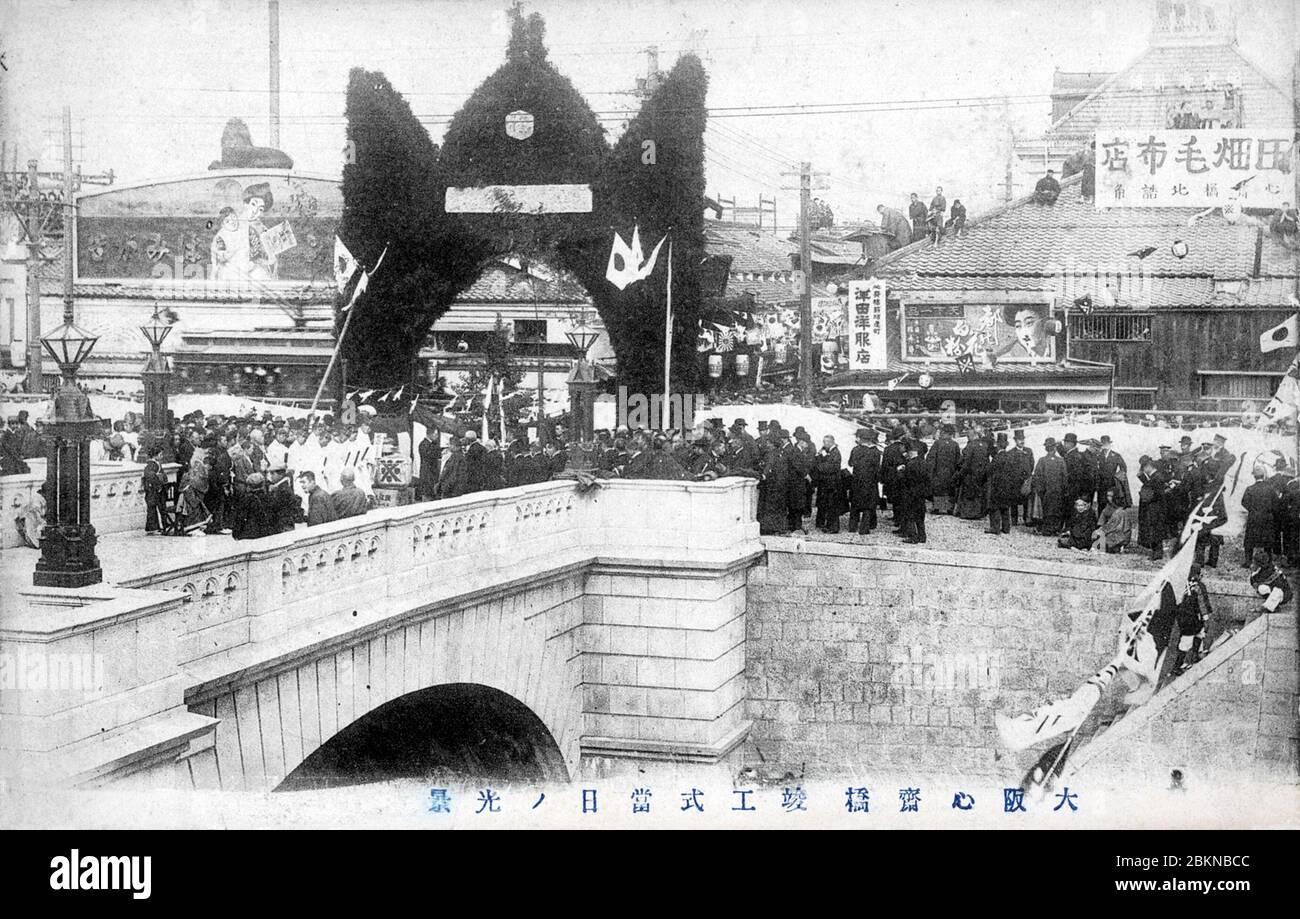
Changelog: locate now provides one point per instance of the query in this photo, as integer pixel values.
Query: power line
(790, 109)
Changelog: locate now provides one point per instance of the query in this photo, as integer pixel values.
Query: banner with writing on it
(867, 336)
(1202, 167)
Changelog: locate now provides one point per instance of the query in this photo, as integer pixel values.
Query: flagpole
(333, 357)
(668, 337)
(501, 409)
(344, 331)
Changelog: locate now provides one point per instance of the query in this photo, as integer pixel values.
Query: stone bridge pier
(598, 629)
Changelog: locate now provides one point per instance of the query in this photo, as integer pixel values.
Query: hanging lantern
(830, 347)
(828, 362)
(782, 352)
(925, 380)
(715, 365)
(742, 365)
(1179, 249)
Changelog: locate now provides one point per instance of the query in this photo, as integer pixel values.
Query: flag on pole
(893, 384)
(362, 283)
(1285, 403)
(1283, 335)
(1054, 718)
(487, 404)
(627, 264)
(345, 265)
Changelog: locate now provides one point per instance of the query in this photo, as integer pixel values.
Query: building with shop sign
(1078, 312)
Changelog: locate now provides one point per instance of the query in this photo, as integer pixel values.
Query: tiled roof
(1133, 95)
(764, 291)
(1073, 237)
(1140, 293)
(751, 250)
(501, 283)
(1083, 81)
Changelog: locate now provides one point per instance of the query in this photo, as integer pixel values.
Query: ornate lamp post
(157, 375)
(68, 539)
(584, 382)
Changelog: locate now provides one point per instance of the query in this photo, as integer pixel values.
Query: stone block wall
(894, 660)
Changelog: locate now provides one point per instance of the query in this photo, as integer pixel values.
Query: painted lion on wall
(238, 152)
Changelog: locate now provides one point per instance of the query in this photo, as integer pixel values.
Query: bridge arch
(512, 652)
(454, 730)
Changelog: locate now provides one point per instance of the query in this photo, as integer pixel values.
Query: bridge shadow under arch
(447, 732)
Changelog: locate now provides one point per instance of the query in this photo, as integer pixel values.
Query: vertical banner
(1204, 167)
(867, 325)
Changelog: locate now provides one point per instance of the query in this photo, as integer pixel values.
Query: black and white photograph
(608, 415)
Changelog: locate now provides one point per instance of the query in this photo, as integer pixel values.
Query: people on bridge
(349, 500)
(320, 509)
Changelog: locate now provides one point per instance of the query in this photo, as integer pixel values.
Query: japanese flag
(1280, 336)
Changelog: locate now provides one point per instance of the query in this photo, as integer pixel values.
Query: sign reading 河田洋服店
(1195, 167)
(867, 325)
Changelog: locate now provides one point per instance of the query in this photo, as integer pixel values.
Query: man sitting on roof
(1048, 189)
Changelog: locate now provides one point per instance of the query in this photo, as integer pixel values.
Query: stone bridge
(606, 626)
(578, 634)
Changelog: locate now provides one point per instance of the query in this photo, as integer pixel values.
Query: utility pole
(273, 9)
(806, 177)
(20, 192)
(805, 298)
(35, 229)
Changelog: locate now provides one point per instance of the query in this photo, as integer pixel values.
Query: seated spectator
(1114, 526)
(1082, 525)
(349, 500)
(1048, 189)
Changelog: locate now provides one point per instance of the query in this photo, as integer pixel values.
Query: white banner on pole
(867, 336)
(1195, 167)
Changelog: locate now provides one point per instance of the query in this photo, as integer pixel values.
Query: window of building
(1111, 327)
(1238, 386)
(1136, 397)
(530, 330)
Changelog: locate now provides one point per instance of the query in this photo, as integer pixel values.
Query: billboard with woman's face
(223, 228)
(946, 331)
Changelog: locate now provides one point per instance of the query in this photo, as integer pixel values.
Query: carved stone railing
(116, 497)
(182, 623)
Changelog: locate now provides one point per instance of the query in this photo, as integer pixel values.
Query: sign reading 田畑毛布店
(1198, 167)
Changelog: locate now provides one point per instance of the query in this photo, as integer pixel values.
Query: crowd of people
(258, 476)
(253, 477)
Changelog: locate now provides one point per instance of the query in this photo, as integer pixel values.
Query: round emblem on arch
(519, 124)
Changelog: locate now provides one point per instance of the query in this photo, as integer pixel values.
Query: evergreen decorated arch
(394, 191)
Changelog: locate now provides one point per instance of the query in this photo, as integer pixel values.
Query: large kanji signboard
(866, 327)
(1202, 167)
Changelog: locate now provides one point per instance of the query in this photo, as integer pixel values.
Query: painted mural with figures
(231, 227)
